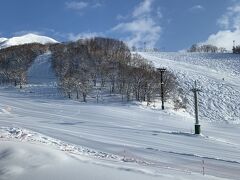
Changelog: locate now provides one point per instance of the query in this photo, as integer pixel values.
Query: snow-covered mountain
(25, 39)
(3, 39)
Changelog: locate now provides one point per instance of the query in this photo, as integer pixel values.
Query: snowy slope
(27, 155)
(136, 141)
(41, 80)
(218, 76)
(152, 141)
(26, 39)
(2, 39)
(41, 71)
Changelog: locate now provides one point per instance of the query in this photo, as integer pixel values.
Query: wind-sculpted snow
(217, 75)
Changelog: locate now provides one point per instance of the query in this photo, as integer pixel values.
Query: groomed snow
(108, 141)
(217, 75)
(41, 79)
(26, 161)
(26, 155)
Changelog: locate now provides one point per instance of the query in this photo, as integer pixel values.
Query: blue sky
(170, 25)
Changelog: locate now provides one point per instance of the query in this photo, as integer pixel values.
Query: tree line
(206, 48)
(107, 65)
(236, 49)
(90, 67)
(15, 61)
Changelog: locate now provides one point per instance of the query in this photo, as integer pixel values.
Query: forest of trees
(207, 48)
(107, 65)
(15, 61)
(90, 66)
(236, 49)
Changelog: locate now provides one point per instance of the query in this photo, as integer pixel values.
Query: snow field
(216, 74)
(135, 140)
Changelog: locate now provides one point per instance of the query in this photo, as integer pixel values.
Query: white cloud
(134, 26)
(230, 24)
(70, 36)
(224, 21)
(76, 5)
(231, 19)
(144, 8)
(224, 38)
(159, 13)
(141, 30)
(121, 17)
(196, 8)
(80, 5)
(24, 32)
(83, 35)
(142, 27)
(97, 5)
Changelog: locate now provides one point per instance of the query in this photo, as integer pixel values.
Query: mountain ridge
(25, 39)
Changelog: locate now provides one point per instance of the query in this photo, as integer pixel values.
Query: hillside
(42, 81)
(120, 90)
(2, 39)
(129, 139)
(217, 75)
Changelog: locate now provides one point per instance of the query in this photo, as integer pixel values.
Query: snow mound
(20, 134)
(26, 155)
(25, 39)
(17, 160)
(23, 161)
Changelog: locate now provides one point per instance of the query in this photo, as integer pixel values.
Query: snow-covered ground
(3, 39)
(41, 78)
(55, 138)
(217, 75)
(28, 155)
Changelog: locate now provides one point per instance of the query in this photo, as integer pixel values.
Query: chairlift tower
(162, 70)
(195, 91)
(234, 47)
(145, 47)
